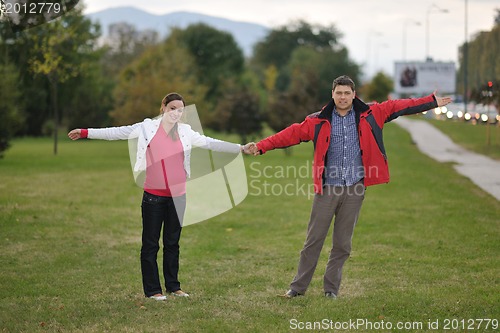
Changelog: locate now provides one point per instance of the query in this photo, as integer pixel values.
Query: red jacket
(370, 120)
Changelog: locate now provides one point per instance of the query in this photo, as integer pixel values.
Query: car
(482, 114)
(454, 111)
(490, 115)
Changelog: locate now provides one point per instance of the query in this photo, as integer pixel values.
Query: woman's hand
(251, 149)
(75, 134)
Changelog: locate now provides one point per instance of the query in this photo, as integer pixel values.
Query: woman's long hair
(167, 99)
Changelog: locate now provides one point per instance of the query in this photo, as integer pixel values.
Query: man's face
(343, 97)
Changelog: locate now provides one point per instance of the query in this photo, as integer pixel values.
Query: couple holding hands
(349, 155)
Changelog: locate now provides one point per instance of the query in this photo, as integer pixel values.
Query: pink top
(165, 174)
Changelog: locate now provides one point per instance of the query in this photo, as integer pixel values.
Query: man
(349, 155)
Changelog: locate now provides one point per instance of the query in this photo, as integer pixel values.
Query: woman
(163, 151)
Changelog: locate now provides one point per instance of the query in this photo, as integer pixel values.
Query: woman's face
(172, 112)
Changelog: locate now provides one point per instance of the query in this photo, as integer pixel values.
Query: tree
(301, 98)
(58, 47)
(483, 62)
(311, 72)
(378, 89)
(82, 99)
(217, 57)
(51, 65)
(487, 93)
(10, 114)
(87, 99)
(324, 65)
(278, 46)
(240, 110)
(295, 104)
(241, 107)
(124, 44)
(299, 58)
(16, 49)
(144, 82)
(50, 59)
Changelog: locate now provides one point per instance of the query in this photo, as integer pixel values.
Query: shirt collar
(338, 114)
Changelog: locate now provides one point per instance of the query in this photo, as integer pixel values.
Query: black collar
(358, 105)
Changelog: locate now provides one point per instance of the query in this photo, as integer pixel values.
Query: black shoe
(291, 294)
(330, 294)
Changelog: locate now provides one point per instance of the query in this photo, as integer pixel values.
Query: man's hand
(251, 149)
(441, 101)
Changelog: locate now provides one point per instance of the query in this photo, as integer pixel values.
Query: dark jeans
(156, 211)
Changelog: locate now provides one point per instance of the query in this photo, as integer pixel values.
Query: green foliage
(216, 54)
(17, 50)
(161, 69)
(58, 53)
(203, 64)
(239, 112)
(297, 64)
(378, 89)
(197, 62)
(61, 46)
(324, 65)
(10, 111)
(278, 46)
(286, 109)
(123, 45)
(485, 94)
(90, 105)
(483, 63)
(65, 50)
(301, 98)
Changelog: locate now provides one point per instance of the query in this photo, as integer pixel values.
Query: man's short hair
(343, 80)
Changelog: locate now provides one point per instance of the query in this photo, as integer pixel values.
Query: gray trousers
(345, 204)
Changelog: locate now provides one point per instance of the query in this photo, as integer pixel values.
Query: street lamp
(466, 56)
(405, 24)
(377, 49)
(432, 8)
(371, 33)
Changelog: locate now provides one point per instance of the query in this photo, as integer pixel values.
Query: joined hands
(251, 149)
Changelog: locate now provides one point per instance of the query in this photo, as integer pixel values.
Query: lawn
(426, 249)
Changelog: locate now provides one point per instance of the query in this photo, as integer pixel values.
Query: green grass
(426, 248)
(480, 138)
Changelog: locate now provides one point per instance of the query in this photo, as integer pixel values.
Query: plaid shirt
(344, 166)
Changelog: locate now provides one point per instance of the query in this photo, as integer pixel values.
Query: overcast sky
(373, 31)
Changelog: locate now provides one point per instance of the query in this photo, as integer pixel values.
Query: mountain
(245, 34)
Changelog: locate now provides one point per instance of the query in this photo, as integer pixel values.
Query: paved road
(482, 170)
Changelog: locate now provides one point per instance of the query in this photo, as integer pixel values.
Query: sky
(373, 31)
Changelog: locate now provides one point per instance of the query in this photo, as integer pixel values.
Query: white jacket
(146, 130)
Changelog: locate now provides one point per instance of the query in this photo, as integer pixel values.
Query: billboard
(420, 78)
